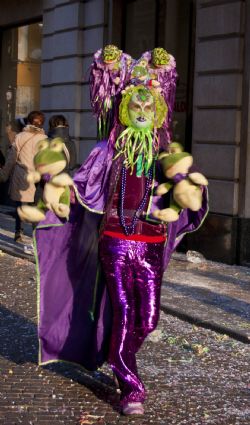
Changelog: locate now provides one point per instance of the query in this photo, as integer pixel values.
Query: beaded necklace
(129, 229)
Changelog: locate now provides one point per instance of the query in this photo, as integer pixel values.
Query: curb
(194, 320)
(22, 255)
(14, 250)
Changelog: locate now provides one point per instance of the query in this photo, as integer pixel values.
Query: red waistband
(139, 238)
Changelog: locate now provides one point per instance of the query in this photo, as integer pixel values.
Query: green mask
(141, 110)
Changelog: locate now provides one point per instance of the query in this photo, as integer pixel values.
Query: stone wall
(221, 142)
(217, 106)
(73, 31)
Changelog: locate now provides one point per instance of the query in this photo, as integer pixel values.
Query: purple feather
(167, 77)
(103, 81)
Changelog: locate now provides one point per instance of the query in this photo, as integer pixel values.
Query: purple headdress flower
(107, 80)
(166, 75)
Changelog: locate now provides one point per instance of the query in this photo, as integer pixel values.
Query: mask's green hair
(137, 143)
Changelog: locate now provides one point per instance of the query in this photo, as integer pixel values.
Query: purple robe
(75, 315)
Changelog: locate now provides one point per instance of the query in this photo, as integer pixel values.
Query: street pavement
(7, 230)
(205, 293)
(196, 370)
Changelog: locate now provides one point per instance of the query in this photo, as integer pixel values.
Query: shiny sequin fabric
(133, 273)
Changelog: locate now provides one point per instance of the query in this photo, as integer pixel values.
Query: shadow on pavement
(18, 337)
(19, 345)
(8, 239)
(242, 283)
(101, 385)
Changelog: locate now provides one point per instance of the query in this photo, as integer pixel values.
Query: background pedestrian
(26, 147)
(59, 127)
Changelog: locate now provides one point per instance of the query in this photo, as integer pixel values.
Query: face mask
(141, 110)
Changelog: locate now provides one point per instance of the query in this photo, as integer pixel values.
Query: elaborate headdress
(115, 77)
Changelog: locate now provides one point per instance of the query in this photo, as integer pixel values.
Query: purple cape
(75, 314)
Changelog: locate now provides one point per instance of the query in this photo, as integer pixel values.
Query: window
(168, 24)
(19, 74)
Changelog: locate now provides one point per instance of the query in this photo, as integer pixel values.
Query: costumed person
(100, 271)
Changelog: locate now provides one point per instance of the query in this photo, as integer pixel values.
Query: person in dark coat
(59, 127)
(2, 186)
(2, 159)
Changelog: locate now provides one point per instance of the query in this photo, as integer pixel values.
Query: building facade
(46, 50)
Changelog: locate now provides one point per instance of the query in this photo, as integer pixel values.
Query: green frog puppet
(49, 163)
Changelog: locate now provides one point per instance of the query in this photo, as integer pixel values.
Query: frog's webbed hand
(33, 177)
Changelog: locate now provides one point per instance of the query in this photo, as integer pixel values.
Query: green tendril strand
(130, 140)
(150, 153)
(142, 143)
(132, 150)
(132, 143)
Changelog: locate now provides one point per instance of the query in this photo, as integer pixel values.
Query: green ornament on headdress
(111, 53)
(160, 57)
(139, 72)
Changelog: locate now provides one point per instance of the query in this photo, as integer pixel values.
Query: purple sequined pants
(133, 272)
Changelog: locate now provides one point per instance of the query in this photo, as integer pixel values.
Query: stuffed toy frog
(186, 185)
(49, 162)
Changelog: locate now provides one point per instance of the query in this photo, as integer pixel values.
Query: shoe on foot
(133, 408)
(18, 237)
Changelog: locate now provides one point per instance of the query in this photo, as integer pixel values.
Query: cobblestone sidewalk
(193, 376)
(210, 294)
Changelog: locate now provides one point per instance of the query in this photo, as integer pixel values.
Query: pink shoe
(133, 408)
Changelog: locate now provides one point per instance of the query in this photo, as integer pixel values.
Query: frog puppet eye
(56, 145)
(43, 144)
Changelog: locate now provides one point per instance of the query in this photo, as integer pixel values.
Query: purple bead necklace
(129, 229)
